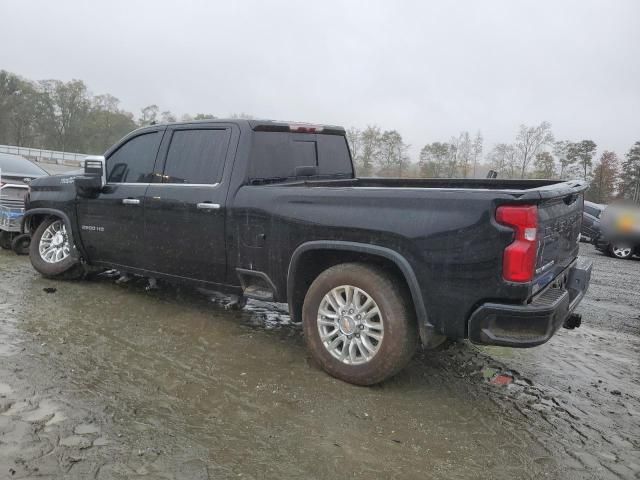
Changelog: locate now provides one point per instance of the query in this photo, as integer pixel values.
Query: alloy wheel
(350, 324)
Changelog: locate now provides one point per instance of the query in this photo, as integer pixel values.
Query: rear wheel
(620, 251)
(52, 252)
(359, 324)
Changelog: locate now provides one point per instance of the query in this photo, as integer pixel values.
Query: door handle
(208, 206)
(131, 201)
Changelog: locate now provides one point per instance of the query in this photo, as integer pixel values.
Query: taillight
(519, 260)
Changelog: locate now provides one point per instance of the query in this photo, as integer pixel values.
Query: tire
(382, 345)
(621, 251)
(20, 244)
(5, 240)
(68, 266)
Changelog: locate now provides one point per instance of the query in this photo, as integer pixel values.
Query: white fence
(46, 156)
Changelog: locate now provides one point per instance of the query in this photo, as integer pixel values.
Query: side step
(256, 285)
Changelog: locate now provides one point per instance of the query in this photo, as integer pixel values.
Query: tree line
(65, 116)
(534, 153)
(57, 115)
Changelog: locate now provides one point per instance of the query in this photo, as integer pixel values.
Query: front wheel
(52, 252)
(359, 324)
(620, 251)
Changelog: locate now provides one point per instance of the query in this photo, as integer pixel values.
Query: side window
(196, 156)
(133, 162)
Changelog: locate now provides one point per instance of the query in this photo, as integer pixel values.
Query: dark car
(273, 211)
(16, 173)
(590, 220)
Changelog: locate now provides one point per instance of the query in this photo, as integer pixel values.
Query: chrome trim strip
(167, 184)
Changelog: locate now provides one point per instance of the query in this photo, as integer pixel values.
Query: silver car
(16, 173)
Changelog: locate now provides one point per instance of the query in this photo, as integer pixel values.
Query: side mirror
(94, 178)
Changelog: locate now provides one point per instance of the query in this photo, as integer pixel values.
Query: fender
(400, 261)
(58, 213)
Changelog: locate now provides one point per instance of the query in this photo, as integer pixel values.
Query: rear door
(112, 224)
(185, 212)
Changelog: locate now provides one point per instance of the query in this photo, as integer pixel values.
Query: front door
(185, 214)
(112, 224)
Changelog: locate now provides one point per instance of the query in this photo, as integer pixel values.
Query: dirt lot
(99, 380)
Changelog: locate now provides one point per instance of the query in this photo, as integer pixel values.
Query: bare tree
(476, 151)
(370, 139)
(464, 154)
(433, 159)
(545, 166)
(354, 138)
(167, 117)
(529, 141)
(149, 115)
(503, 158)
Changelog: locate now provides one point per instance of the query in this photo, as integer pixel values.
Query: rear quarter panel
(448, 237)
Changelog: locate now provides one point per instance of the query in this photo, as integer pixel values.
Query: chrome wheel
(621, 251)
(54, 244)
(350, 324)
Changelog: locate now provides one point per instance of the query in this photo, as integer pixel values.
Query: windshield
(19, 165)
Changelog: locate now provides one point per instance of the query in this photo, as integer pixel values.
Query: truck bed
(524, 189)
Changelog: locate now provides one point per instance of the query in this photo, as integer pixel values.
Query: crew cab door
(111, 225)
(185, 213)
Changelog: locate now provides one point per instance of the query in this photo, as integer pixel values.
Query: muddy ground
(99, 380)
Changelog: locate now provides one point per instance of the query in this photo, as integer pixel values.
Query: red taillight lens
(519, 261)
(304, 128)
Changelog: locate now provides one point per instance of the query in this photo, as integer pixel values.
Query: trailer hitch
(573, 321)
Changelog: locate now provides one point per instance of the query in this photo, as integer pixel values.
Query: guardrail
(46, 156)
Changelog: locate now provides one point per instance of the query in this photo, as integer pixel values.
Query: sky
(427, 69)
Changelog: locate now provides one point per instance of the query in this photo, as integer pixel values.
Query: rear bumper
(533, 323)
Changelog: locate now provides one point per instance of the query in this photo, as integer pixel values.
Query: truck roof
(270, 125)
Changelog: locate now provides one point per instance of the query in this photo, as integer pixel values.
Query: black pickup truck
(273, 211)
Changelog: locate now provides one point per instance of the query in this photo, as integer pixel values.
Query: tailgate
(559, 222)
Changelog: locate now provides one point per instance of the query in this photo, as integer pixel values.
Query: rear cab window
(277, 155)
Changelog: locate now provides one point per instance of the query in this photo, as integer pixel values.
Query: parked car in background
(617, 231)
(16, 172)
(590, 220)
